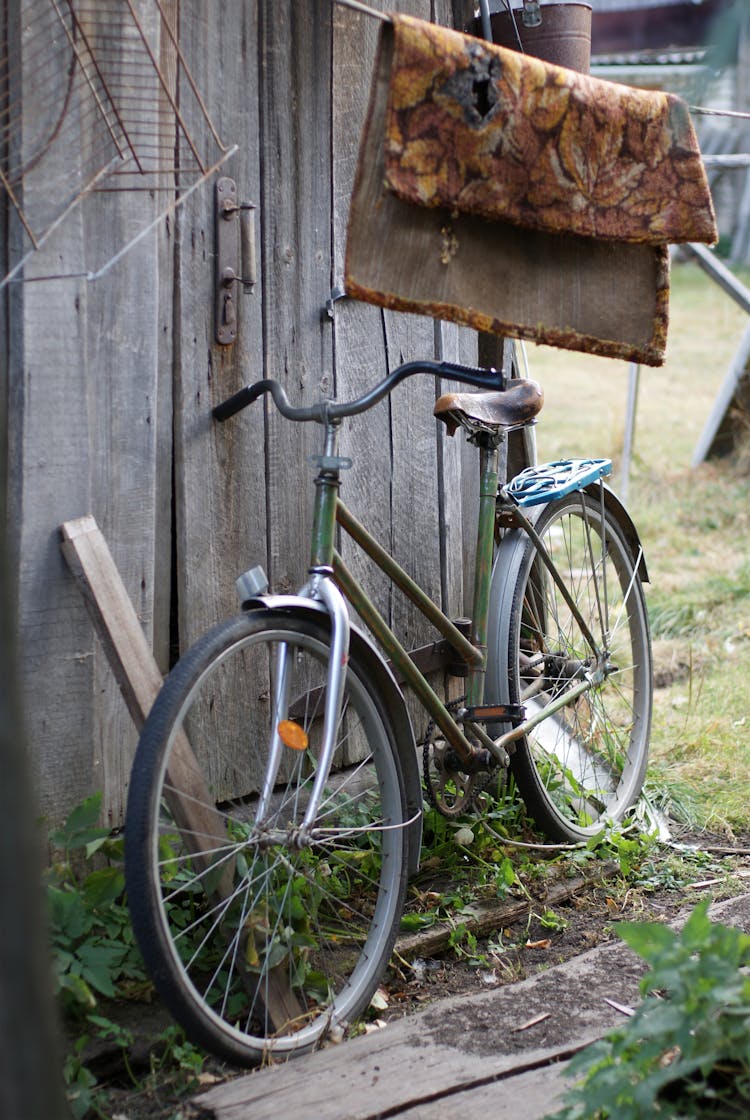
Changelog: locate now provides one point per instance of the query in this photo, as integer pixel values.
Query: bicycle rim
(584, 764)
(259, 942)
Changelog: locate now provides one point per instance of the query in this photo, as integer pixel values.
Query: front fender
(391, 700)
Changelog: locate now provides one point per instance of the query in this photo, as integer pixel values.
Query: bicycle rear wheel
(583, 764)
(258, 939)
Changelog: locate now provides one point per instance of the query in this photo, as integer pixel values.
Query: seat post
(493, 451)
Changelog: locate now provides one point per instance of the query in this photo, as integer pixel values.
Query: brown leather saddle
(491, 411)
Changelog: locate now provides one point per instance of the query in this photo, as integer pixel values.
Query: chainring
(450, 790)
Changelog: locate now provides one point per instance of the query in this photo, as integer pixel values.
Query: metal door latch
(235, 256)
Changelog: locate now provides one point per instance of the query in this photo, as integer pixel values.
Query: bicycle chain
(439, 775)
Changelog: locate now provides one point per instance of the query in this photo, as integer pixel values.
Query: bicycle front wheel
(583, 763)
(260, 937)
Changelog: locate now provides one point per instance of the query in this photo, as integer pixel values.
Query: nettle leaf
(82, 826)
(104, 886)
(68, 916)
(646, 938)
(77, 988)
(99, 964)
(675, 1052)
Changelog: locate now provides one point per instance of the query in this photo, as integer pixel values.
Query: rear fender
(618, 512)
(505, 570)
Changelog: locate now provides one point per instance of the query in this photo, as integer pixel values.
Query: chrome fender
(392, 700)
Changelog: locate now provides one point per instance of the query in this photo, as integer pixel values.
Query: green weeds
(95, 958)
(464, 861)
(684, 1052)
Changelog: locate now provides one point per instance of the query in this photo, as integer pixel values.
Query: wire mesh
(96, 96)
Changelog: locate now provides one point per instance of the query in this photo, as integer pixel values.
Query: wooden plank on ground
(442, 1054)
(466, 1056)
(485, 917)
(523, 1096)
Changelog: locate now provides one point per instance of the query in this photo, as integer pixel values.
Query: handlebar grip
(485, 377)
(239, 400)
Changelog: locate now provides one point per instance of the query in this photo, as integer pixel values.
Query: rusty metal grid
(96, 96)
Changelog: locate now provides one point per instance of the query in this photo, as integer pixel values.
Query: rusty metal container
(563, 36)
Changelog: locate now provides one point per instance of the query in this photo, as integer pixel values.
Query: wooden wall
(110, 383)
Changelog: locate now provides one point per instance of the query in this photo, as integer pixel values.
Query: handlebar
(326, 411)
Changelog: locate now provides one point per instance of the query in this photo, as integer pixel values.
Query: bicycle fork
(321, 587)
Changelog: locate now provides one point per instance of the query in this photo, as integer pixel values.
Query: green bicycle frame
(329, 511)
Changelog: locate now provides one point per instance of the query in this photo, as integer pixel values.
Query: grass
(694, 525)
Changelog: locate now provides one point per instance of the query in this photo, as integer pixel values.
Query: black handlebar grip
(488, 375)
(239, 400)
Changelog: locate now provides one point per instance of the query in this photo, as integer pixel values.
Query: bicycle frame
(327, 564)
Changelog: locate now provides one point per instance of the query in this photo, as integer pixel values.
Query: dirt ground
(523, 947)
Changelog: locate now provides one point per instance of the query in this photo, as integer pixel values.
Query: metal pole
(634, 371)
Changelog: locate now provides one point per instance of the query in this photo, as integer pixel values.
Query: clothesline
(719, 112)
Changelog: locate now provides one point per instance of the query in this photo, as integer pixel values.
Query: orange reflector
(292, 735)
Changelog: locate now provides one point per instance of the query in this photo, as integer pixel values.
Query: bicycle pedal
(496, 713)
(536, 485)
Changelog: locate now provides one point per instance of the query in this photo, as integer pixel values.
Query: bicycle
(275, 806)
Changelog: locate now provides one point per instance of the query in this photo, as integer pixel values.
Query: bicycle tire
(584, 765)
(257, 946)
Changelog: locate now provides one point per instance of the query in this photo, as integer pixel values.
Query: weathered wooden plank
(191, 804)
(486, 917)
(454, 1048)
(134, 669)
(118, 628)
(295, 42)
(80, 733)
(48, 481)
(416, 512)
(523, 1096)
(127, 430)
(459, 1044)
(359, 345)
(459, 485)
(219, 496)
(166, 356)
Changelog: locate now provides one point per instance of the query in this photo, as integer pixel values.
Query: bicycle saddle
(517, 405)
